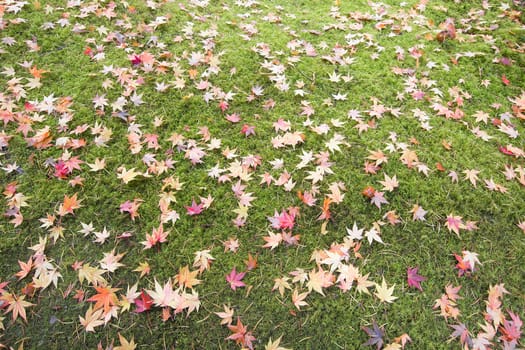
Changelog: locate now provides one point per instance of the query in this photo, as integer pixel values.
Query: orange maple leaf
(69, 204)
(16, 304)
(25, 268)
(104, 298)
(37, 73)
(186, 278)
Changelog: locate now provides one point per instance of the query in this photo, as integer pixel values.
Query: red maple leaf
(143, 303)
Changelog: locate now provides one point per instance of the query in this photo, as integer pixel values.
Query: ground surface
(223, 174)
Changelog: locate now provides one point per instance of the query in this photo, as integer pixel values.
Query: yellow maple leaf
(383, 293)
(125, 344)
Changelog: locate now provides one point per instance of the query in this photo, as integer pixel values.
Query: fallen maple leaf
(274, 345)
(241, 335)
(16, 304)
(105, 298)
(383, 293)
(226, 316)
(251, 263)
(125, 344)
(272, 240)
(194, 208)
(235, 279)
(298, 299)
(92, 319)
(25, 268)
(413, 279)
(157, 236)
(187, 279)
(376, 335)
(454, 223)
(143, 303)
(69, 204)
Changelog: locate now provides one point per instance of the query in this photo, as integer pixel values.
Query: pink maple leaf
(414, 280)
(233, 118)
(511, 330)
(454, 223)
(235, 279)
(157, 236)
(223, 105)
(131, 207)
(378, 199)
(248, 130)
(61, 170)
(194, 208)
(286, 220)
(283, 220)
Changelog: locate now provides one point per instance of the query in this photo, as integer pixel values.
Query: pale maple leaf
(418, 213)
(521, 225)
(92, 274)
(110, 262)
(363, 283)
(373, 235)
(143, 268)
(378, 157)
(16, 304)
(453, 176)
(378, 199)
(101, 236)
(472, 176)
(300, 276)
(275, 345)
(383, 293)
(403, 339)
(355, 233)
(127, 175)
(298, 299)
(281, 284)
(390, 183)
(86, 228)
(203, 260)
(452, 292)
(190, 302)
(226, 316)
(125, 344)
(317, 280)
(471, 258)
(272, 240)
(164, 296)
(92, 319)
(481, 343)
